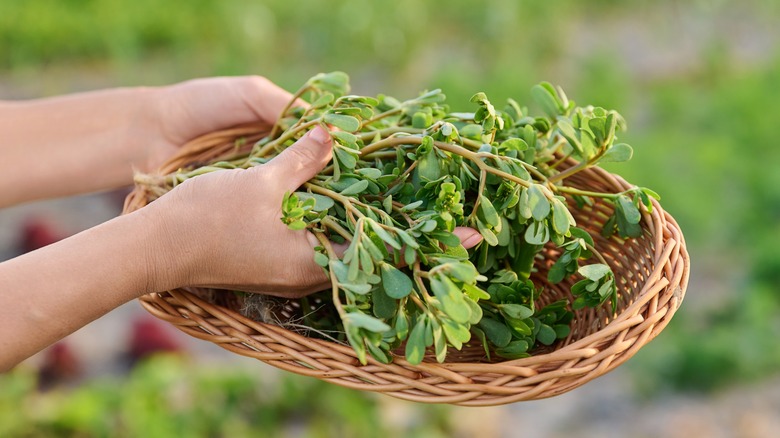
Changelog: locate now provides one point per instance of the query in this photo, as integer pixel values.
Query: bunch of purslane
(406, 173)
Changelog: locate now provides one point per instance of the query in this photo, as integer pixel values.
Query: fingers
(301, 161)
(469, 237)
(265, 99)
(211, 104)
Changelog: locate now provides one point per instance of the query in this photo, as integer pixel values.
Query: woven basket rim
(464, 383)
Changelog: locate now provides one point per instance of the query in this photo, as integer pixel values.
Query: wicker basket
(651, 271)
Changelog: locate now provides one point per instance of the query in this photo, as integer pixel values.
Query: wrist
(146, 137)
(168, 251)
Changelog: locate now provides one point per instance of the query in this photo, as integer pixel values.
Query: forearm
(49, 293)
(73, 144)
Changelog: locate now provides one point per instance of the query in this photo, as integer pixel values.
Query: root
(155, 185)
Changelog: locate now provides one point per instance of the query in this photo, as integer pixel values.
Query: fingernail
(320, 135)
(472, 240)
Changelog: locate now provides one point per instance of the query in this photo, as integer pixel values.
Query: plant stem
(289, 134)
(381, 116)
(386, 132)
(596, 253)
(482, 181)
(289, 105)
(331, 223)
(573, 191)
(333, 280)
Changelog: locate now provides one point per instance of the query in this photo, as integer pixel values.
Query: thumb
(301, 161)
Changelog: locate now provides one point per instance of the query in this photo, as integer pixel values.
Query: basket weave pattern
(651, 273)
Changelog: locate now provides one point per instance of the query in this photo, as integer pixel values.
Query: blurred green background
(698, 83)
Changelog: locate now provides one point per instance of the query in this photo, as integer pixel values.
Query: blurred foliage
(696, 81)
(166, 396)
(723, 183)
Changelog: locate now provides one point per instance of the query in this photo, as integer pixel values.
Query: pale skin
(194, 235)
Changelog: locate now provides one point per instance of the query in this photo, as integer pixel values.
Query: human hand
(184, 111)
(227, 230)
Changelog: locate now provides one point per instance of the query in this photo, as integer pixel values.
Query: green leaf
(367, 322)
(594, 272)
(538, 202)
(345, 138)
(407, 239)
(412, 205)
(609, 227)
(395, 283)
(378, 354)
(356, 341)
(321, 203)
(410, 255)
(480, 335)
(537, 233)
(354, 267)
(421, 120)
(334, 79)
(384, 235)
(453, 303)
(514, 350)
(472, 131)
(597, 126)
(447, 238)
(343, 122)
(457, 334)
(341, 271)
(401, 324)
(347, 159)
(324, 100)
(570, 134)
(581, 234)
(297, 225)
(625, 228)
(546, 335)
(561, 330)
(355, 188)
(428, 226)
(651, 193)
(358, 288)
(562, 218)
(457, 251)
(465, 271)
(415, 344)
(384, 306)
(519, 326)
(546, 100)
(505, 235)
(514, 144)
(387, 203)
(439, 341)
(516, 311)
(524, 204)
(497, 332)
(475, 293)
(476, 311)
(489, 236)
(321, 259)
(617, 153)
(557, 272)
(429, 167)
(489, 213)
(369, 172)
(479, 97)
(366, 261)
(629, 210)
